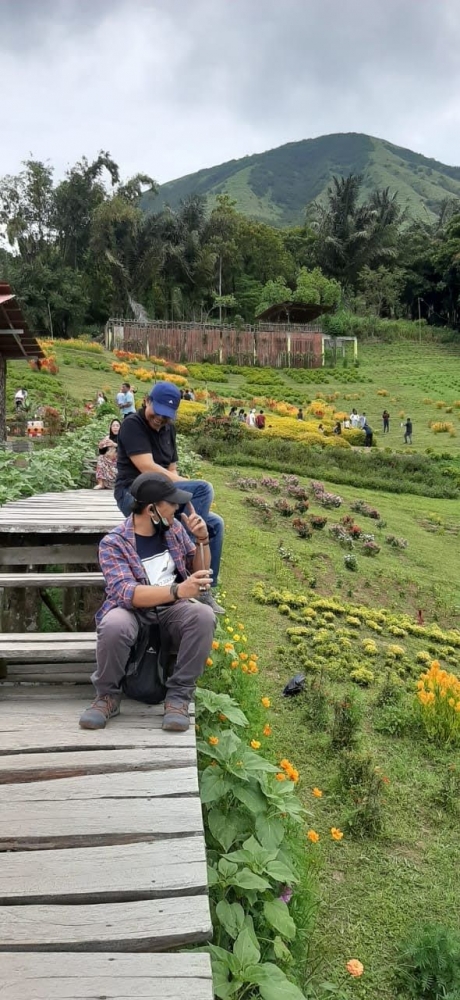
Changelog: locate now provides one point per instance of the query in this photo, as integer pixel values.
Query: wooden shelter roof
(293, 312)
(16, 341)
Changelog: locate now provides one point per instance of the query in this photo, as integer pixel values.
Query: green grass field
(373, 889)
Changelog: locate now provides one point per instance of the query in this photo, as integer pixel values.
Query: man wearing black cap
(147, 443)
(150, 562)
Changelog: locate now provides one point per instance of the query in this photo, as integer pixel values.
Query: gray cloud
(169, 86)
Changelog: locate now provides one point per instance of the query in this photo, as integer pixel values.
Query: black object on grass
(294, 686)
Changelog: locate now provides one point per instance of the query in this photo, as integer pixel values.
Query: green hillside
(277, 185)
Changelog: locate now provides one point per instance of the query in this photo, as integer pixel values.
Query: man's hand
(195, 584)
(195, 524)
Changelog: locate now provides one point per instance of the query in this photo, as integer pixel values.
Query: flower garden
(331, 815)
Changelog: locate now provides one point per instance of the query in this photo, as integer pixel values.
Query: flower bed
(253, 817)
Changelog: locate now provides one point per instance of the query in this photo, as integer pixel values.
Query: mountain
(276, 186)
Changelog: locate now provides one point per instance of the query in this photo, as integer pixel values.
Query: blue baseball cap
(165, 398)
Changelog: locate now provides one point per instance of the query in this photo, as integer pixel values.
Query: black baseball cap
(150, 487)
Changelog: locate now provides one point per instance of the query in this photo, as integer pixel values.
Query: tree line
(79, 250)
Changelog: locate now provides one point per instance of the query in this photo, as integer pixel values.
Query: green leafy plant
(363, 783)
(429, 963)
(348, 713)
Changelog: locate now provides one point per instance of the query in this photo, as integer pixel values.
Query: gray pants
(188, 628)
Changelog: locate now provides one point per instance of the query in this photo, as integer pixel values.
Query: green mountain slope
(276, 186)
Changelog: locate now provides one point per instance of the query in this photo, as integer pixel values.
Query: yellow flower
(229, 628)
(236, 637)
(209, 662)
(213, 741)
(266, 702)
(336, 834)
(280, 776)
(244, 638)
(228, 648)
(253, 656)
(243, 656)
(267, 730)
(313, 836)
(451, 702)
(234, 664)
(215, 644)
(255, 744)
(226, 621)
(317, 793)
(241, 626)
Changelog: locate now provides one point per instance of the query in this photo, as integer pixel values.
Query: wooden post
(2, 398)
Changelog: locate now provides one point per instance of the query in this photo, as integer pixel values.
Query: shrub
(362, 676)
(429, 963)
(448, 794)
(283, 507)
(438, 699)
(302, 528)
(396, 543)
(370, 548)
(348, 714)
(317, 703)
(317, 522)
(350, 562)
(366, 787)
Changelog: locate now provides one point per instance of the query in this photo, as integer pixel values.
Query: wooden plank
(20, 736)
(105, 874)
(40, 825)
(46, 580)
(39, 637)
(148, 925)
(75, 673)
(126, 785)
(73, 976)
(37, 766)
(42, 652)
(47, 555)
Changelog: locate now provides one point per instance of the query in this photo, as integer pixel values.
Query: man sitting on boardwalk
(149, 562)
(147, 443)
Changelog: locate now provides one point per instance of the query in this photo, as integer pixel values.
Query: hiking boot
(207, 598)
(98, 714)
(176, 718)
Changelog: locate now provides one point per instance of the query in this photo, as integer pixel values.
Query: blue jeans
(202, 497)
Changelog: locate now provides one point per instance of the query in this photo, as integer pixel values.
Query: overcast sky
(170, 86)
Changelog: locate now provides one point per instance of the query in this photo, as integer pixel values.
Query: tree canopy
(83, 248)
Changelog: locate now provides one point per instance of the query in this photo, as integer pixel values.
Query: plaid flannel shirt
(123, 570)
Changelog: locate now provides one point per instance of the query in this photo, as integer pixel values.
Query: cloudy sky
(170, 86)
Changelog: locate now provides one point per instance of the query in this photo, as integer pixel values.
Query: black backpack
(146, 670)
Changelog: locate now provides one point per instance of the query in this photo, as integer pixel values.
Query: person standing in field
(369, 433)
(408, 431)
(354, 419)
(300, 414)
(260, 420)
(125, 400)
(386, 422)
(251, 418)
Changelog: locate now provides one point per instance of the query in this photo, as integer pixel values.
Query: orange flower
(285, 764)
(317, 793)
(213, 741)
(293, 774)
(354, 967)
(215, 644)
(255, 744)
(209, 662)
(234, 664)
(245, 668)
(267, 730)
(313, 836)
(266, 702)
(253, 668)
(280, 776)
(336, 834)
(243, 656)
(222, 718)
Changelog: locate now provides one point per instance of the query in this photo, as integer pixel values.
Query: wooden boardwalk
(102, 853)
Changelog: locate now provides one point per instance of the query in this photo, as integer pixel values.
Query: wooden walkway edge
(102, 852)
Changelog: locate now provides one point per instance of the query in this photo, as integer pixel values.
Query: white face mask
(161, 524)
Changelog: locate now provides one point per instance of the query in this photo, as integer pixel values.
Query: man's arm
(145, 463)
